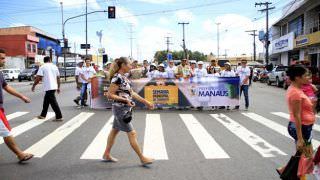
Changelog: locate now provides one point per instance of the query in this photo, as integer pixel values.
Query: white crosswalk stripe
(274, 126)
(15, 115)
(315, 127)
(28, 125)
(206, 143)
(154, 144)
(96, 149)
(260, 145)
(42, 147)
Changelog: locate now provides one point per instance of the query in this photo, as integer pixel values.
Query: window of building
(29, 47)
(284, 29)
(297, 26)
(34, 48)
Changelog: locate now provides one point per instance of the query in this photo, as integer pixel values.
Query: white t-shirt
(226, 73)
(162, 75)
(171, 71)
(201, 72)
(153, 74)
(77, 73)
(88, 72)
(243, 73)
(49, 73)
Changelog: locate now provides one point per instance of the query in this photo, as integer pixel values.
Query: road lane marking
(42, 147)
(206, 143)
(154, 144)
(16, 131)
(96, 149)
(315, 127)
(15, 115)
(264, 148)
(275, 126)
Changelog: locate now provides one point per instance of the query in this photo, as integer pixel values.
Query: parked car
(10, 74)
(27, 74)
(277, 75)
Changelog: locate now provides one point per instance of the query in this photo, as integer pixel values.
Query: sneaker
(246, 109)
(76, 101)
(41, 117)
(58, 120)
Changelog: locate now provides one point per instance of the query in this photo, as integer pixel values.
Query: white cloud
(74, 4)
(164, 21)
(184, 15)
(125, 15)
(152, 38)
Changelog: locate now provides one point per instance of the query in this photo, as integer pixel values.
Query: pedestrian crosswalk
(155, 142)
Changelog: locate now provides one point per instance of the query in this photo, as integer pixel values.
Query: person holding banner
(122, 95)
(183, 70)
(153, 72)
(244, 72)
(200, 71)
(193, 68)
(162, 72)
(171, 69)
(228, 72)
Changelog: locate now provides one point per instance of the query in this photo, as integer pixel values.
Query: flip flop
(147, 163)
(112, 160)
(26, 158)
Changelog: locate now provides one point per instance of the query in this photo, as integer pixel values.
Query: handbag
(316, 158)
(127, 118)
(291, 170)
(306, 165)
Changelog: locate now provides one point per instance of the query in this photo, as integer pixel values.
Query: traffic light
(111, 12)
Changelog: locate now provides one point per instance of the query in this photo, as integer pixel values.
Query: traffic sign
(85, 46)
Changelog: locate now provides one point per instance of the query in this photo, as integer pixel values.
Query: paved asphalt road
(191, 145)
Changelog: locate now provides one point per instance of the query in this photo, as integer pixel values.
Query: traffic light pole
(65, 44)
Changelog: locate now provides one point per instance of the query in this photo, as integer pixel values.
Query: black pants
(50, 99)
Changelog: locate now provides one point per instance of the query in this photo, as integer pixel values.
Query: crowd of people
(186, 69)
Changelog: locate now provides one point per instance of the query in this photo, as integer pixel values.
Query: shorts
(5, 129)
(306, 132)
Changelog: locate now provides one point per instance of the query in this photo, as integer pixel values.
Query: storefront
(309, 46)
(282, 49)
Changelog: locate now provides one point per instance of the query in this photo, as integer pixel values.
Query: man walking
(78, 82)
(86, 75)
(5, 129)
(243, 72)
(50, 76)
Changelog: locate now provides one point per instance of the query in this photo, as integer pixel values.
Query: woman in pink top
(302, 116)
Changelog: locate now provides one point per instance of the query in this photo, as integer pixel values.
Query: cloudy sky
(151, 21)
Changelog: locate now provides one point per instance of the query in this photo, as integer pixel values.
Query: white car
(10, 74)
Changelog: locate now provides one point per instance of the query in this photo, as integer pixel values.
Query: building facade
(296, 35)
(28, 45)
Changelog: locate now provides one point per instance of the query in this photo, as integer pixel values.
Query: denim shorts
(306, 131)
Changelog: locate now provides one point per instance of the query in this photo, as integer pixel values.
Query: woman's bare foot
(24, 157)
(109, 158)
(146, 161)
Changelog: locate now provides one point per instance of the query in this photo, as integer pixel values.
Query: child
(310, 90)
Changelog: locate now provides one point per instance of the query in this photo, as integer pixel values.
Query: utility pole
(266, 4)
(86, 28)
(65, 45)
(218, 40)
(225, 53)
(254, 43)
(183, 40)
(131, 40)
(168, 43)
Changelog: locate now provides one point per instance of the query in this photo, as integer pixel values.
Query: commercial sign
(283, 44)
(301, 41)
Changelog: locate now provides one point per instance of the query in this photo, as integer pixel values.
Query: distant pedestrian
(78, 82)
(121, 93)
(228, 72)
(251, 76)
(87, 73)
(5, 129)
(171, 69)
(243, 72)
(50, 77)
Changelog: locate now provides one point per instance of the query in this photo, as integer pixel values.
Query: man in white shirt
(243, 72)
(171, 69)
(200, 71)
(162, 72)
(78, 81)
(86, 75)
(50, 76)
(228, 72)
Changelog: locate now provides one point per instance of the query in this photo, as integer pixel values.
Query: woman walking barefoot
(122, 94)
